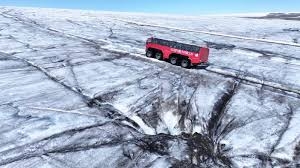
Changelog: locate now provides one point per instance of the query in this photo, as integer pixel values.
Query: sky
(192, 7)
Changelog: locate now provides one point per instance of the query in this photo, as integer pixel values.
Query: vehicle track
(287, 59)
(211, 33)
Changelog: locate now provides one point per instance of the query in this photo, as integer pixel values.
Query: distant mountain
(284, 16)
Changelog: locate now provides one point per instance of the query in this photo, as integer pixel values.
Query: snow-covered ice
(75, 91)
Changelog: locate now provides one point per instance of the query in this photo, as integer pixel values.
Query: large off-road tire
(185, 63)
(149, 53)
(174, 60)
(159, 55)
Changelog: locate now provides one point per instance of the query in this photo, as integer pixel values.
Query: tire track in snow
(222, 71)
(286, 59)
(211, 33)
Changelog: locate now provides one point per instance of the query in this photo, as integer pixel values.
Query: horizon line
(154, 13)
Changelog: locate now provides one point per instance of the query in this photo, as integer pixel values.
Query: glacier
(77, 91)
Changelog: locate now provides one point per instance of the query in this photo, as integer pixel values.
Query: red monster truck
(177, 53)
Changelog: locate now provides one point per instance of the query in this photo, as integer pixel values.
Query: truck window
(178, 46)
(173, 44)
(164, 43)
(154, 40)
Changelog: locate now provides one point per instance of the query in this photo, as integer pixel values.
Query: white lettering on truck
(181, 51)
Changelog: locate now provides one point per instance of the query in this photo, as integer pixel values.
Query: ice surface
(76, 92)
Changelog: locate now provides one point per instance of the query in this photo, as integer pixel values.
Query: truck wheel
(185, 63)
(149, 53)
(159, 56)
(173, 60)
